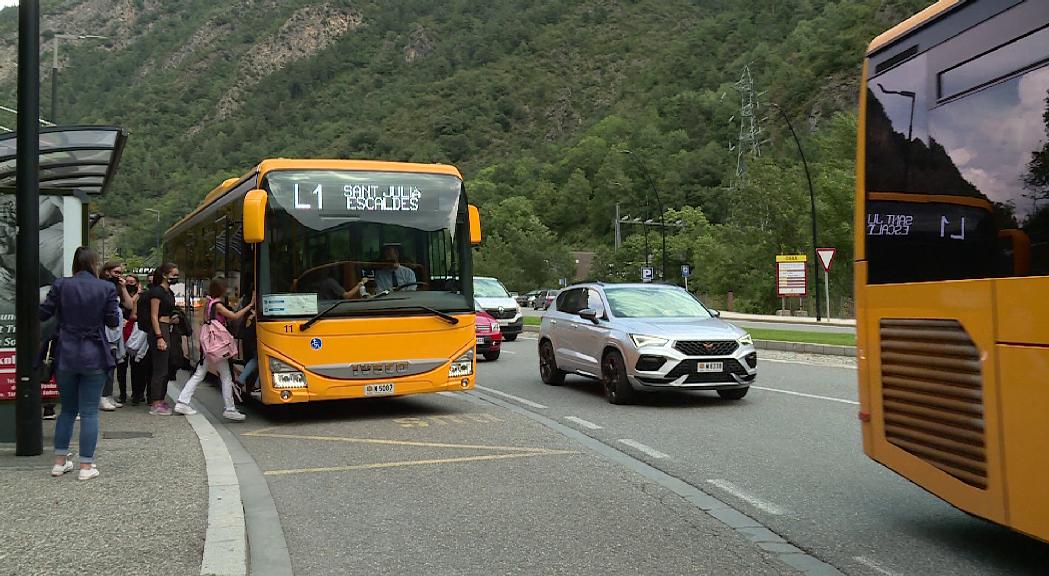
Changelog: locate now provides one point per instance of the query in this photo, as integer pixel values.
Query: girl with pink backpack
(217, 348)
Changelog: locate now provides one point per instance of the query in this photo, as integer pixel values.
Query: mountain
(532, 99)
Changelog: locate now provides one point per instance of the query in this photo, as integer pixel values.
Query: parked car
(528, 298)
(644, 337)
(489, 335)
(497, 302)
(546, 299)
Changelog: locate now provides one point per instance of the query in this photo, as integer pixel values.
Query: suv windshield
(489, 288)
(328, 230)
(654, 302)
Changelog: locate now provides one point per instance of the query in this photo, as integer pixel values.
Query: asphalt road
(789, 455)
(453, 484)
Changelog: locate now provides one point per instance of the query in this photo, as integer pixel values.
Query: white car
(497, 302)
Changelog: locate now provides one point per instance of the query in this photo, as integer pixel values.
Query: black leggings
(122, 376)
(158, 382)
(140, 373)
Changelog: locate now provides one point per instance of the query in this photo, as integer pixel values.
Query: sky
(6, 3)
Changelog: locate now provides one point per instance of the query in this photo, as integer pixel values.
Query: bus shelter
(77, 164)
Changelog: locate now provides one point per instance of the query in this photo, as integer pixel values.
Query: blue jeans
(247, 375)
(79, 393)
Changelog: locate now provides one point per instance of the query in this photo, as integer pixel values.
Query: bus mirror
(1019, 243)
(255, 216)
(475, 225)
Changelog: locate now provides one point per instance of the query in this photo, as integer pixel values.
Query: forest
(556, 111)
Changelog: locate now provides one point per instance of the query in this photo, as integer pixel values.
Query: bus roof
(272, 164)
(911, 24)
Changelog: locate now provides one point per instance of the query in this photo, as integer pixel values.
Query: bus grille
(932, 393)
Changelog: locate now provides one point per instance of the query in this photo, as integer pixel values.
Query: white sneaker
(107, 404)
(184, 409)
(58, 470)
(117, 403)
(233, 415)
(88, 473)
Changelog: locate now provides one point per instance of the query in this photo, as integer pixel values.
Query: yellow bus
(361, 273)
(952, 256)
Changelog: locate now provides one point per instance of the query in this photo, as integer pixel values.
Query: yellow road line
(412, 463)
(260, 431)
(400, 442)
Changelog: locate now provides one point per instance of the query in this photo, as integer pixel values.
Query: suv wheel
(613, 377)
(548, 369)
(734, 393)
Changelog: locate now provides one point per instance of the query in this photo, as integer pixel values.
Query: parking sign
(647, 273)
(686, 271)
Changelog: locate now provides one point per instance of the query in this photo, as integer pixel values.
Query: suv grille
(932, 393)
(506, 314)
(706, 347)
(688, 367)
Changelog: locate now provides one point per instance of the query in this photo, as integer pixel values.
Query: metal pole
(659, 204)
(29, 430)
(812, 201)
(826, 278)
(619, 236)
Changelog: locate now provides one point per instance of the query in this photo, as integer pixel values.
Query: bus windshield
(383, 240)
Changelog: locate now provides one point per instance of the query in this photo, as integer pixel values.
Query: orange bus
(952, 256)
(361, 272)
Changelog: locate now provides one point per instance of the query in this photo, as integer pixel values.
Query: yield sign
(826, 255)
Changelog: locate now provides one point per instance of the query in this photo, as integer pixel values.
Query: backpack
(216, 342)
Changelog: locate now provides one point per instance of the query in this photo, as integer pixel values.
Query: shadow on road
(665, 399)
(998, 545)
(358, 410)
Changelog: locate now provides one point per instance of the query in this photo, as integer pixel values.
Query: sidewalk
(145, 514)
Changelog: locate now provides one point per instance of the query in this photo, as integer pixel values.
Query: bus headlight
(286, 376)
(462, 366)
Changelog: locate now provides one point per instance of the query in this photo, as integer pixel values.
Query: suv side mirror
(715, 313)
(589, 314)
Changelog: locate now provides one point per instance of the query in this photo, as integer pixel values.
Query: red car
(489, 336)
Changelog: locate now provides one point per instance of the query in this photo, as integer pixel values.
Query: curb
(796, 347)
(806, 348)
(225, 544)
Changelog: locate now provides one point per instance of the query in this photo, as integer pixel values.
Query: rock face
(308, 31)
(420, 43)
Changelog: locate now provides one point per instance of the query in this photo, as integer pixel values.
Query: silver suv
(643, 337)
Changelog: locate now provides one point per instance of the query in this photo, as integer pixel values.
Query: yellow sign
(792, 258)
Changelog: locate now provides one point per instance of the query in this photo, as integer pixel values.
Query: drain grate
(125, 435)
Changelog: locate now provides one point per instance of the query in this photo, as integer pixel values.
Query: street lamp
(812, 202)
(659, 203)
(157, 212)
(54, 66)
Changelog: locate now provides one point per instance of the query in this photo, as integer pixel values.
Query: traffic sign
(826, 256)
(686, 271)
(647, 273)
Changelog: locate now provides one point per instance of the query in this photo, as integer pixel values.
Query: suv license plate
(710, 366)
(378, 389)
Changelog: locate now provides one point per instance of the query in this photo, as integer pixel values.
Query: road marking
(509, 352)
(523, 338)
(816, 364)
(445, 420)
(643, 448)
(754, 501)
(404, 463)
(524, 401)
(385, 442)
(583, 423)
(816, 396)
(874, 566)
(449, 394)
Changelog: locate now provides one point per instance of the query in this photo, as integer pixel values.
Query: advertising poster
(53, 257)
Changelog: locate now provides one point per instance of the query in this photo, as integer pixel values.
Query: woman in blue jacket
(84, 306)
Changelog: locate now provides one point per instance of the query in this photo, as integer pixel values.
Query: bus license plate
(710, 366)
(480, 340)
(378, 389)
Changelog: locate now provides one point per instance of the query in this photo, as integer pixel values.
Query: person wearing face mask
(113, 272)
(160, 301)
(131, 285)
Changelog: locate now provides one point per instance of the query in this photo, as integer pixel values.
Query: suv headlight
(286, 376)
(462, 366)
(642, 340)
(745, 340)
